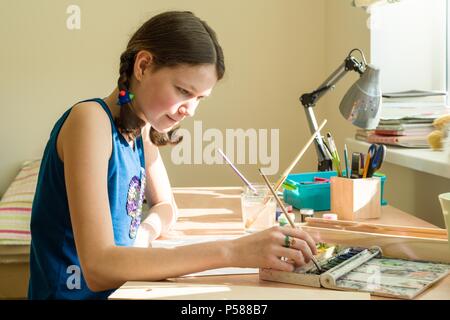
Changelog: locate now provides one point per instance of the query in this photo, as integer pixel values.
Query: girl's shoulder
(87, 125)
(89, 115)
(92, 108)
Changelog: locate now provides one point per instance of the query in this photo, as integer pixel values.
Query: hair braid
(128, 122)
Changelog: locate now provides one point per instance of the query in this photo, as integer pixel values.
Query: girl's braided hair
(173, 38)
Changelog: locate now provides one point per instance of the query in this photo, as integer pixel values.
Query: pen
(335, 154)
(327, 150)
(356, 160)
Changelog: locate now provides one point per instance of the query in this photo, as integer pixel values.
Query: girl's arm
(158, 192)
(84, 145)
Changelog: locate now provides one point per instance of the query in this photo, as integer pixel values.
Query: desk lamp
(361, 105)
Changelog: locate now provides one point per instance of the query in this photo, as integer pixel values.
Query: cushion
(15, 206)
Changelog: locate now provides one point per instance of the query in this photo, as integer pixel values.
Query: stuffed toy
(436, 138)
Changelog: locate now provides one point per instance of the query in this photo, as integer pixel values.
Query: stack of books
(401, 133)
(404, 125)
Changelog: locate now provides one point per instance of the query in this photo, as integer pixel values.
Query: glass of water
(256, 215)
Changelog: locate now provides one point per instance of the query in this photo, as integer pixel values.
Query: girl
(101, 160)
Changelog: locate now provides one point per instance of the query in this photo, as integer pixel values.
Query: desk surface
(217, 211)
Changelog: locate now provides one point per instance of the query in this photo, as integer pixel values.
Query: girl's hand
(264, 249)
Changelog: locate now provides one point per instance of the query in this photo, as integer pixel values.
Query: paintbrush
(286, 214)
(237, 171)
(286, 172)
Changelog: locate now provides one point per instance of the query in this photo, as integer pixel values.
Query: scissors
(377, 157)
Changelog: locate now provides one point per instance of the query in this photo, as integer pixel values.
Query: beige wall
(412, 191)
(274, 51)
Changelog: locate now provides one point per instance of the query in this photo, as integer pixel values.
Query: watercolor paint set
(364, 269)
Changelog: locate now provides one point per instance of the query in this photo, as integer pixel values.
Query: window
(409, 45)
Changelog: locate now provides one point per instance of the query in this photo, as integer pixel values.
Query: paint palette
(337, 260)
(365, 269)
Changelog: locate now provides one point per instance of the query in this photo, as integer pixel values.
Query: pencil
(366, 167)
(285, 213)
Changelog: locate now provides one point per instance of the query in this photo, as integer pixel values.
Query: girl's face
(166, 96)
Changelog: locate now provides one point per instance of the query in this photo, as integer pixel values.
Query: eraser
(289, 185)
(329, 216)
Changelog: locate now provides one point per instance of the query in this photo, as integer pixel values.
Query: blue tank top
(55, 271)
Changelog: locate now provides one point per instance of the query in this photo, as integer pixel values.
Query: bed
(14, 271)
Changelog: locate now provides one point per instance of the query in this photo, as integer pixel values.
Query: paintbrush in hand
(286, 214)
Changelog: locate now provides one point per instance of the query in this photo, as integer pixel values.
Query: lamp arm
(350, 64)
(309, 100)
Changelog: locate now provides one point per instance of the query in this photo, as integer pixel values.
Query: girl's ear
(142, 63)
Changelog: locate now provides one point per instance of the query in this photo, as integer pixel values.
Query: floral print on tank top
(135, 200)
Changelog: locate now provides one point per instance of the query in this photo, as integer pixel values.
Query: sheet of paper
(185, 291)
(420, 111)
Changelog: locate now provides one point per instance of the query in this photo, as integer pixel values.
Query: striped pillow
(15, 206)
